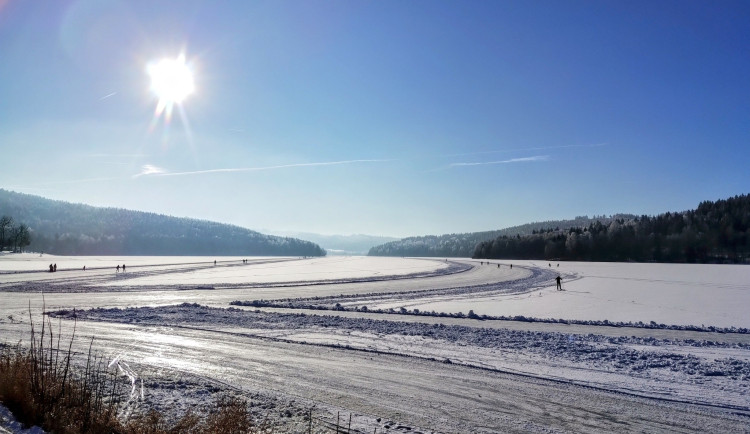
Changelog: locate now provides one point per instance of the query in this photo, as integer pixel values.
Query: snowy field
(310, 270)
(341, 335)
(169, 271)
(683, 294)
(15, 262)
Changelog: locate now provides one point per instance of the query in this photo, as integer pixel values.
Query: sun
(171, 82)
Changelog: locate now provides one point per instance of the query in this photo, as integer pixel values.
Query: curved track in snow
(395, 381)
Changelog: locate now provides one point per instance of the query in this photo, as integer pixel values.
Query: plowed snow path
(406, 388)
(410, 392)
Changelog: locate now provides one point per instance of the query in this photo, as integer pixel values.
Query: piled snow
(696, 371)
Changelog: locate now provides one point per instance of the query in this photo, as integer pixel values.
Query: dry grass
(41, 386)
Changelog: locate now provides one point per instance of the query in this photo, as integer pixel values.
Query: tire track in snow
(743, 411)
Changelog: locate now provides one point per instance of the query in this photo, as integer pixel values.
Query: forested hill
(714, 232)
(462, 245)
(64, 228)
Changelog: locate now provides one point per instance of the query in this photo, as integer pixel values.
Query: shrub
(41, 386)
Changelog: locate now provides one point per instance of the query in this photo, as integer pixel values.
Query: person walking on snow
(559, 282)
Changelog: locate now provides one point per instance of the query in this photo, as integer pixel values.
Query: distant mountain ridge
(462, 245)
(65, 228)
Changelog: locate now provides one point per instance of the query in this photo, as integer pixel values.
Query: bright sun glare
(171, 82)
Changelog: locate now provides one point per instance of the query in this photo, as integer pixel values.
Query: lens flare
(171, 82)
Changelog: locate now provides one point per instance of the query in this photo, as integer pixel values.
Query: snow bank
(695, 369)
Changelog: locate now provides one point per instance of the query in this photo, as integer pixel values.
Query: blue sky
(389, 118)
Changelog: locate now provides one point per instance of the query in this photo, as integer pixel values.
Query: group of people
(53, 268)
(558, 279)
(488, 263)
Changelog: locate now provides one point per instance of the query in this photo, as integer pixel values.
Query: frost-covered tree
(21, 237)
(6, 222)
(75, 229)
(714, 232)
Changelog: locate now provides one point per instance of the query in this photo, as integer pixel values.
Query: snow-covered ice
(170, 322)
(695, 294)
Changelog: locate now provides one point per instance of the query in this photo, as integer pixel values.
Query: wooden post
(309, 426)
(338, 415)
(349, 430)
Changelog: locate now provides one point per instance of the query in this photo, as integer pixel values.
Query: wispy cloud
(510, 161)
(133, 155)
(155, 171)
(538, 148)
(149, 169)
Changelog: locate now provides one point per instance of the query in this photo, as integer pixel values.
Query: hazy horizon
(301, 234)
(383, 118)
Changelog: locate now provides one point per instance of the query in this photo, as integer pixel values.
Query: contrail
(114, 155)
(107, 96)
(539, 148)
(512, 160)
(257, 169)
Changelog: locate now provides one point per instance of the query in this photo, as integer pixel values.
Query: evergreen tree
(714, 232)
(6, 222)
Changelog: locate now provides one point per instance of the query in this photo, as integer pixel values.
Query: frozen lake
(682, 294)
(426, 373)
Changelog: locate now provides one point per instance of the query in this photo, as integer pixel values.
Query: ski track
(394, 376)
(631, 356)
(99, 283)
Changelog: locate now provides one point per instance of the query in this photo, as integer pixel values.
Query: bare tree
(21, 237)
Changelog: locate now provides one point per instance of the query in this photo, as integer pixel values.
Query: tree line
(63, 228)
(715, 232)
(13, 235)
(462, 245)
